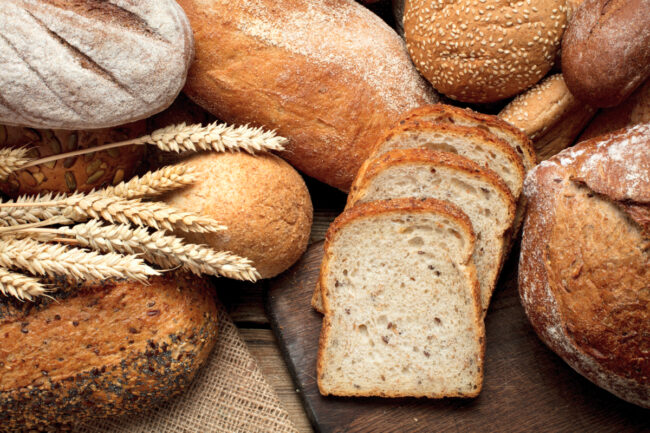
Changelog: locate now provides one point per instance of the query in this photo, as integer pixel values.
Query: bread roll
(606, 50)
(81, 173)
(102, 350)
(330, 76)
(633, 111)
(261, 199)
(483, 51)
(90, 64)
(549, 114)
(583, 272)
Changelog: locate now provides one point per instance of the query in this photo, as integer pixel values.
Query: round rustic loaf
(81, 173)
(583, 272)
(606, 50)
(261, 199)
(328, 75)
(483, 51)
(90, 64)
(95, 351)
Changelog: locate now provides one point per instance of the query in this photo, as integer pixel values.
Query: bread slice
(510, 134)
(402, 315)
(472, 143)
(478, 192)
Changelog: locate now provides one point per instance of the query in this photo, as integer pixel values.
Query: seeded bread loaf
(102, 350)
(90, 64)
(328, 75)
(583, 272)
(402, 315)
(81, 173)
(484, 51)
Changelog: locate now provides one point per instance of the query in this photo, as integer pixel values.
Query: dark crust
(447, 114)
(606, 50)
(97, 380)
(582, 276)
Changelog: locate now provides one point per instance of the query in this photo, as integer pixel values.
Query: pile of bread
(443, 185)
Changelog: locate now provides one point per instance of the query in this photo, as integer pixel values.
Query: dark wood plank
(527, 387)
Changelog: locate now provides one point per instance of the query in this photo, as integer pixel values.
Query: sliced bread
(402, 314)
(478, 192)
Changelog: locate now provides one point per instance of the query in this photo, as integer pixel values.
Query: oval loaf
(90, 64)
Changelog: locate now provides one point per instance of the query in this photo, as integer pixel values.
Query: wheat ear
(51, 259)
(161, 249)
(32, 212)
(12, 159)
(153, 183)
(20, 286)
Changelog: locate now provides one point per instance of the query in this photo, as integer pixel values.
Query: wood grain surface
(527, 387)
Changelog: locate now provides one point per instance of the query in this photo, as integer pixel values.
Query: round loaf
(90, 64)
(606, 50)
(82, 173)
(261, 199)
(102, 350)
(483, 51)
(583, 271)
(328, 75)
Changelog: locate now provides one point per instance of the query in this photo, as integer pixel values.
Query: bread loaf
(606, 50)
(402, 315)
(583, 272)
(104, 350)
(330, 76)
(90, 64)
(261, 199)
(633, 111)
(81, 173)
(549, 114)
(483, 51)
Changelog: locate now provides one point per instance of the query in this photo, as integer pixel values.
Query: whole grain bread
(95, 351)
(328, 75)
(90, 64)
(583, 272)
(402, 315)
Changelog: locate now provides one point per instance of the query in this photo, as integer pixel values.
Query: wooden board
(527, 387)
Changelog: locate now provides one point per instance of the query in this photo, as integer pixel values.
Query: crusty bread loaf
(606, 50)
(549, 114)
(82, 173)
(478, 192)
(330, 76)
(90, 64)
(261, 199)
(483, 51)
(402, 315)
(102, 350)
(583, 272)
(633, 111)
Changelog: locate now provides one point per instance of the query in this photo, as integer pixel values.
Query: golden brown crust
(81, 173)
(606, 50)
(104, 350)
(306, 83)
(583, 274)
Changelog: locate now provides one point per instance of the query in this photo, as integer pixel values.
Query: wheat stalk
(153, 183)
(161, 249)
(12, 160)
(51, 259)
(20, 286)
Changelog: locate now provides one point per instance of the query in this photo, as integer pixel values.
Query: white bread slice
(402, 315)
(479, 193)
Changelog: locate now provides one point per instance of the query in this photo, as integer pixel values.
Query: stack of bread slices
(411, 264)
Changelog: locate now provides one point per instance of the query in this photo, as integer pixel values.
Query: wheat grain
(161, 249)
(12, 159)
(20, 286)
(50, 259)
(153, 183)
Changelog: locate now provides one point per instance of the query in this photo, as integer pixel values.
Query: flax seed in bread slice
(402, 314)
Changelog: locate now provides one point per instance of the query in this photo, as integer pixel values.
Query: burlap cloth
(229, 395)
